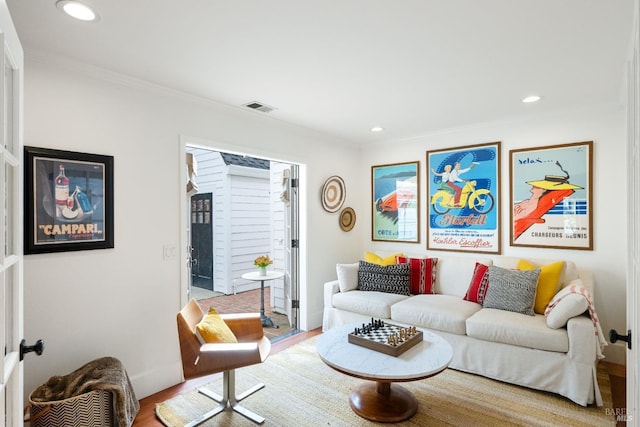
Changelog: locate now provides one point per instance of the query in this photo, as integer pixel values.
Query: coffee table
(383, 400)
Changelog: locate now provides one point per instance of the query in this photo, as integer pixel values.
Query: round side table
(257, 277)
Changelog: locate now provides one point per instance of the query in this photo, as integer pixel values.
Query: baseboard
(152, 381)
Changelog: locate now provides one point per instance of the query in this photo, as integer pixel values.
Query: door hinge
(295, 243)
(294, 183)
(295, 303)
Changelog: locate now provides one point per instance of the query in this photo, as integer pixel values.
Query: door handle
(614, 336)
(38, 347)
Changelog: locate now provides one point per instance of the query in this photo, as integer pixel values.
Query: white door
(633, 279)
(11, 224)
(292, 243)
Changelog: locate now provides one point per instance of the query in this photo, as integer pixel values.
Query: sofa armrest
(582, 339)
(330, 289)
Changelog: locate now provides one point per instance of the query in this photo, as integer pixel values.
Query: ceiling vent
(259, 106)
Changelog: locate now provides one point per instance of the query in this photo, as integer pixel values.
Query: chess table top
(424, 360)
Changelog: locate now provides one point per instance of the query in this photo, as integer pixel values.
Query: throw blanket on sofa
(106, 373)
(580, 290)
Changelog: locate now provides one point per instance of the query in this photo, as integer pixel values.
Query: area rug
(302, 391)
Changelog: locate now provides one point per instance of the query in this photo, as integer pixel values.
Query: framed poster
(551, 196)
(68, 201)
(395, 207)
(464, 199)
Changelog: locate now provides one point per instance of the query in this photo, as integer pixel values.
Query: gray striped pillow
(512, 290)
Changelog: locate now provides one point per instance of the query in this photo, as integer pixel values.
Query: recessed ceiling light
(377, 129)
(77, 10)
(532, 98)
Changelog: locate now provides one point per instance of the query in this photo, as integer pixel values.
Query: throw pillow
(392, 279)
(422, 274)
(548, 282)
(377, 259)
(479, 284)
(511, 290)
(347, 276)
(566, 304)
(213, 329)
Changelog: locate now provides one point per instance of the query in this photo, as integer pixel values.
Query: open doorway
(242, 207)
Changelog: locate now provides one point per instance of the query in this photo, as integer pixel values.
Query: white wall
(123, 301)
(606, 127)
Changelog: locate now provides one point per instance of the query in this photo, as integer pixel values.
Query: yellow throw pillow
(213, 329)
(377, 259)
(548, 282)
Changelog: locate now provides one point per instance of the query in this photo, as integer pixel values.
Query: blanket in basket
(106, 373)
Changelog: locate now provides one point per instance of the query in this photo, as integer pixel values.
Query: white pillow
(347, 276)
(571, 305)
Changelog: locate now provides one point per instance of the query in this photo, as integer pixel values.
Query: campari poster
(463, 199)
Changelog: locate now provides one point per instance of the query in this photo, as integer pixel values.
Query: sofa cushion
(566, 304)
(454, 273)
(369, 303)
(438, 312)
(391, 278)
(548, 282)
(479, 284)
(422, 274)
(512, 328)
(511, 290)
(347, 276)
(377, 259)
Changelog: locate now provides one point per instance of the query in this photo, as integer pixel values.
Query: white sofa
(498, 344)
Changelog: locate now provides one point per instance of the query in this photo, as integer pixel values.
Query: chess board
(376, 339)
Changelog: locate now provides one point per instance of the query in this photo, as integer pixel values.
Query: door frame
(11, 225)
(184, 254)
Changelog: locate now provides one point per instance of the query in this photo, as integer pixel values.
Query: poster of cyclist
(463, 198)
(550, 195)
(395, 214)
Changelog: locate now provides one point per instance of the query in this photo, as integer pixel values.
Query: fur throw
(106, 373)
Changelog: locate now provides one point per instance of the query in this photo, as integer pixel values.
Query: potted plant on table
(262, 262)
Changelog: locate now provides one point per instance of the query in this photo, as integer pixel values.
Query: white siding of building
(242, 218)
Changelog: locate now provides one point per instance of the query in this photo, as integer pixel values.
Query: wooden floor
(147, 418)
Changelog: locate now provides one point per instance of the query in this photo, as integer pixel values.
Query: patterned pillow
(479, 284)
(422, 274)
(392, 279)
(512, 290)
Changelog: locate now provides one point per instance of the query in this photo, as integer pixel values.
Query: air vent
(259, 106)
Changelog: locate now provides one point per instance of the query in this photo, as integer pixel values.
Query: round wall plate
(333, 194)
(347, 219)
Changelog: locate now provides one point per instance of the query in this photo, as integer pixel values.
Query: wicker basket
(88, 409)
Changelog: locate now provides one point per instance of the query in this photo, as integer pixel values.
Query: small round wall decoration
(333, 194)
(347, 219)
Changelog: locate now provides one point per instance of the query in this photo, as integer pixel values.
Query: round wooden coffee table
(383, 401)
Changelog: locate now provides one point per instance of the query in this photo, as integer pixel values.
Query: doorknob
(614, 336)
(38, 347)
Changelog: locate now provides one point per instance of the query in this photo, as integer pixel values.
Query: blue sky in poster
(385, 178)
(536, 164)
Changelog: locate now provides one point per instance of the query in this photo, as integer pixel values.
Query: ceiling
(343, 66)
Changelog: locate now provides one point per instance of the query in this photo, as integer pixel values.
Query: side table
(255, 276)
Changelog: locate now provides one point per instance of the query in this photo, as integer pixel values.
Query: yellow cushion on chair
(213, 329)
(548, 282)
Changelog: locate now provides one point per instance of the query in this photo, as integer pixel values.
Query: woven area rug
(302, 391)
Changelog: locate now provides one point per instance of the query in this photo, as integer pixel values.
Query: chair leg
(229, 399)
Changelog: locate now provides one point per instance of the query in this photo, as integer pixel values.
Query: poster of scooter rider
(550, 195)
(68, 201)
(463, 197)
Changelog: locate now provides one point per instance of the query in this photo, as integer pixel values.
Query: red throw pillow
(479, 284)
(422, 274)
